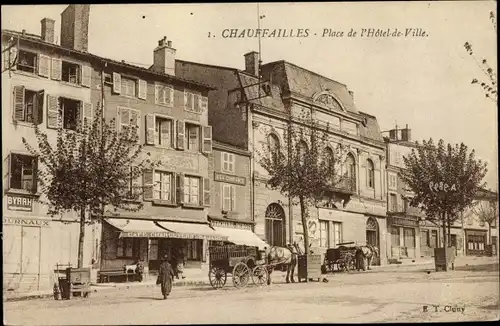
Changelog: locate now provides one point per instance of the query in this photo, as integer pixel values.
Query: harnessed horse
(365, 252)
(282, 256)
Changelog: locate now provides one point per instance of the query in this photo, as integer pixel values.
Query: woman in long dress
(165, 277)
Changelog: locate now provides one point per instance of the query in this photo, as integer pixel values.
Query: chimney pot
(47, 30)
(169, 44)
(24, 32)
(75, 27)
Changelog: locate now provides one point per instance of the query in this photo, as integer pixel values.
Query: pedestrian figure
(180, 264)
(165, 277)
(139, 270)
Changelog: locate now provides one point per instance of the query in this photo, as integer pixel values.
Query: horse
(365, 252)
(282, 256)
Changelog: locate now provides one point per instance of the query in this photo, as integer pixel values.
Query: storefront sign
(230, 224)
(222, 177)
(25, 221)
(19, 203)
(403, 222)
(139, 234)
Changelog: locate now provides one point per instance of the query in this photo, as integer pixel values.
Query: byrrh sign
(19, 203)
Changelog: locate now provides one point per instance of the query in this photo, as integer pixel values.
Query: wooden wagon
(242, 263)
(341, 258)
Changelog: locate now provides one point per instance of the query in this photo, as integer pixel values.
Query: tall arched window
(274, 145)
(350, 172)
(370, 177)
(302, 148)
(329, 155)
(275, 225)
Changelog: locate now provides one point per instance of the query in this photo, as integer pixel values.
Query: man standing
(165, 277)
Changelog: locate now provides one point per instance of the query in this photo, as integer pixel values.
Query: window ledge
(22, 192)
(192, 206)
(24, 124)
(28, 74)
(163, 203)
(130, 97)
(192, 111)
(70, 84)
(165, 105)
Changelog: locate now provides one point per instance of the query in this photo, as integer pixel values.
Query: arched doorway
(275, 225)
(372, 236)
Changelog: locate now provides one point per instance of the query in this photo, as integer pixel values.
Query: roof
(37, 39)
(307, 83)
(251, 86)
(371, 129)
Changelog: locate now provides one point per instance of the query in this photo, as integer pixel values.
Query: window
(128, 86)
(192, 102)
(324, 234)
(393, 181)
(302, 149)
(191, 190)
(193, 141)
(70, 111)
(424, 238)
(70, 72)
(370, 178)
(129, 118)
(27, 61)
(23, 172)
(228, 162)
(337, 233)
(409, 237)
(163, 131)
(194, 250)
(275, 225)
(434, 239)
(153, 250)
(228, 197)
(28, 105)
(163, 186)
(395, 236)
(393, 202)
(127, 248)
(164, 94)
(274, 145)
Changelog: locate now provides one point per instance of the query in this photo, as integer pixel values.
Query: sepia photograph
(250, 163)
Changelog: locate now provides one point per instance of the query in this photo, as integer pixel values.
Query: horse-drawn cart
(341, 258)
(240, 262)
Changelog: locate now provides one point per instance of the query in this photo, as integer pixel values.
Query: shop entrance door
(409, 242)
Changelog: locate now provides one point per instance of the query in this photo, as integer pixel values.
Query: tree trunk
(445, 241)
(449, 230)
(81, 238)
(303, 215)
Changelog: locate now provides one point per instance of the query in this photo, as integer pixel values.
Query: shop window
(191, 190)
(153, 249)
(409, 237)
(23, 169)
(127, 248)
(227, 162)
(324, 234)
(337, 233)
(27, 61)
(424, 238)
(395, 240)
(194, 250)
(128, 87)
(163, 131)
(163, 186)
(193, 137)
(434, 239)
(70, 112)
(70, 72)
(228, 197)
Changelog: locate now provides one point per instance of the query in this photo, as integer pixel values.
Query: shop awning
(242, 237)
(192, 231)
(138, 228)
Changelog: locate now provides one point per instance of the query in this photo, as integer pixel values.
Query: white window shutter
(180, 188)
(171, 95)
(186, 94)
(18, 112)
(206, 192)
(181, 130)
(207, 139)
(204, 104)
(43, 65)
(196, 104)
(123, 118)
(7, 173)
(56, 72)
(13, 59)
(52, 111)
(87, 114)
(157, 94)
(148, 185)
(150, 129)
(117, 83)
(143, 89)
(86, 76)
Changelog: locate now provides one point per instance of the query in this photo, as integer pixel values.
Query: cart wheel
(260, 275)
(241, 275)
(217, 277)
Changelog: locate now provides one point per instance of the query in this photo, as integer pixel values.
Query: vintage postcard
(250, 163)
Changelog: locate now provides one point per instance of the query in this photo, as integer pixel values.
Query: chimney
(48, 30)
(75, 27)
(252, 63)
(406, 134)
(164, 57)
(352, 94)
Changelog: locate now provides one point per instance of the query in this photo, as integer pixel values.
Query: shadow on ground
(478, 268)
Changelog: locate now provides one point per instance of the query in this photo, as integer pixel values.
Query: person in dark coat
(165, 277)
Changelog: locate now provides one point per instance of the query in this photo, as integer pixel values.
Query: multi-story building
(248, 110)
(44, 82)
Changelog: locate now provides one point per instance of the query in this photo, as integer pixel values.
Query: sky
(424, 82)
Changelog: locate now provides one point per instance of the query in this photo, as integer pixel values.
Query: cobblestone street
(390, 294)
